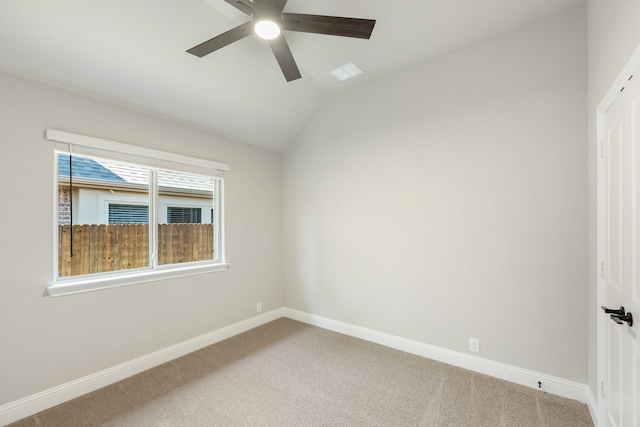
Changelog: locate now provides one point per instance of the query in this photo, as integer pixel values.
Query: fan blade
(285, 59)
(244, 6)
(330, 25)
(222, 40)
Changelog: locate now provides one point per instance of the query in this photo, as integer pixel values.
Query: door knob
(620, 319)
(619, 311)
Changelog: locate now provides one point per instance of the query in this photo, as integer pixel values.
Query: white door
(619, 252)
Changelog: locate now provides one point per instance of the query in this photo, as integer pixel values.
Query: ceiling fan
(267, 21)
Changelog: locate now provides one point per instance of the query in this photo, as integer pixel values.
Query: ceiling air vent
(346, 71)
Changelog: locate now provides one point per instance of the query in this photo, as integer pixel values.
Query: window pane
(176, 215)
(103, 215)
(183, 237)
(128, 214)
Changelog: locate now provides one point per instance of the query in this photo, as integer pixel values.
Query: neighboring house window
(115, 244)
(180, 215)
(128, 214)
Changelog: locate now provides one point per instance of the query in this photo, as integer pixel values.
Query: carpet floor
(287, 373)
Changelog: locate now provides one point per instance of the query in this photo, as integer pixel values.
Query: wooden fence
(113, 247)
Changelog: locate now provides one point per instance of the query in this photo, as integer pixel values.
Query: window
(107, 196)
(128, 214)
(176, 215)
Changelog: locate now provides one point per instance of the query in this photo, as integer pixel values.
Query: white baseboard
(551, 384)
(54, 396)
(592, 403)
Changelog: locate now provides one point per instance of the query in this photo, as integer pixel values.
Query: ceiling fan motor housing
(266, 12)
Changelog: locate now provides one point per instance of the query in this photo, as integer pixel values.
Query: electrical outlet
(258, 307)
(474, 345)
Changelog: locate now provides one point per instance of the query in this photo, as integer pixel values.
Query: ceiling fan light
(267, 30)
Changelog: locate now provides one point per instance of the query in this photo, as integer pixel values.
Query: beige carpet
(287, 373)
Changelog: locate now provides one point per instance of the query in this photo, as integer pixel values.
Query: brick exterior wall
(64, 206)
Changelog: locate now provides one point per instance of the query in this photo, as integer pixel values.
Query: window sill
(95, 283)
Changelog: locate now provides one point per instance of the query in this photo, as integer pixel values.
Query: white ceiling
(132, 52)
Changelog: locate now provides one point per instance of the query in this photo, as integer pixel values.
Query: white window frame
(154, 159)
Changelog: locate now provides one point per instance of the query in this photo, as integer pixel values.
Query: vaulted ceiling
(133, 53)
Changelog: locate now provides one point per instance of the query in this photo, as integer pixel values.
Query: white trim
(150, 158)
(35, 403)
(619, 83)
(601, 138)
(551, 384)
(58, 136)
(90, 283)
(592, 404)
(55, 215)
(54, 396)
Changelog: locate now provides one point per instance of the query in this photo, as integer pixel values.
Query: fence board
(163, 245)
(103, 252)
(83, 249)
(125, 255)
(64, 250)
(111, 247)
(142, 246)
(76, 235)
(177, 236)
(93, 249)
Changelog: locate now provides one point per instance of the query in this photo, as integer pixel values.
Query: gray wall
(614, 34)
(445, 201)
(449, 201)
(45, 342)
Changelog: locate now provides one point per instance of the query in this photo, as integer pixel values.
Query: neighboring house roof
(184, 181)
(84, 167)
(130, 173)
(107, 170)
